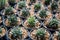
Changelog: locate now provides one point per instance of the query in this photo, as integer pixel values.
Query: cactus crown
(53, 23)
(21, 4)
(16, 32)
(2, 3)
(54, 5)
(8, 11)
(31, 21)
(40, 32)
(42, 13)
(0, 30)
(37, 6)
(13, 20)
(25, 12)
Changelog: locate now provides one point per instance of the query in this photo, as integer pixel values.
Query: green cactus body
(37, 6)
(43, 14)
(21, 4)
(31, 21)
(9, 11)
(12, 20)
(2, 4)
(40, 32)
(54, 5)
(16, 32)
(53, 24)
(25, 13)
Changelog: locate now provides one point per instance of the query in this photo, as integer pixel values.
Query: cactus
(40, 32)
(16, 32)
(53, 24)
(25, 12)
(8, 10)
(54, 5)
(37, 6)
(42, 14)
(21, 4)
(0, 30)
(2, 4)
(31, 21)
(12, 20)
(47, 2)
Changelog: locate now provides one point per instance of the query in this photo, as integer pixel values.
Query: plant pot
(53, 25)
(55, 36)
(27, 26)
(21, 37)
(11, 24)
(46, 19)
(3, 34)
(35, 37)
(9, 11)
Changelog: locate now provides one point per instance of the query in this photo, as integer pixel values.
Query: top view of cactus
(40, 32)
(43, 14)
(13, 20)
(17, 33)
(53, 24)
(54, 6)
(29, 19)
(21, 4)
(37, 7)
(9, 11)
(25, 13)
